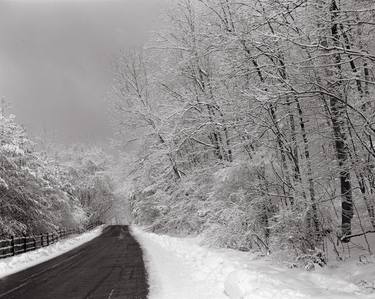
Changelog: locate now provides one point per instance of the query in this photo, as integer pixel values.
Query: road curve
(109, 266)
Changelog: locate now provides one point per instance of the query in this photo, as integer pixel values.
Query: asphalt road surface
(109, 266)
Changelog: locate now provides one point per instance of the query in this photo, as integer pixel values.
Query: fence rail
(18, 245)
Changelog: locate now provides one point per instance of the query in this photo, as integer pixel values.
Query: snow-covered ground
(26, 260)
(181, 268)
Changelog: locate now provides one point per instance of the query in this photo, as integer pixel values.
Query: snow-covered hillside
(181, 268)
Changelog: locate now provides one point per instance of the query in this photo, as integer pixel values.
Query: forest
(254, 124)
(251, 123)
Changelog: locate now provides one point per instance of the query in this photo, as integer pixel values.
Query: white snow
(3, 184)
(12, 148)
(181, 268)
(26, 260)
(172, 266)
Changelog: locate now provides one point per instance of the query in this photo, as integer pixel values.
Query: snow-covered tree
(267, 116)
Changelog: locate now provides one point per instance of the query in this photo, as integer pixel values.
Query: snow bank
(181, 268)
(177, 268)
(26, 260)
(283, 284)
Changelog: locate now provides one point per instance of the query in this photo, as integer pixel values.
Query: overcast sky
(56, 55)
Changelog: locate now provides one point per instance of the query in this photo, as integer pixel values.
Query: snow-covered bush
(288, 232)
(239, 214)
(180, 211)
(144, 209)
(220, 204)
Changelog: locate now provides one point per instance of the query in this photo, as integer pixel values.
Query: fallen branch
(356, 235)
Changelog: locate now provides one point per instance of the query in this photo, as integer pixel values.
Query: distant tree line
(43, 190)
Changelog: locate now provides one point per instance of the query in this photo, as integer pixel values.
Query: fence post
(24, 243)
(34, 242)
(12, 245)
(47, 239)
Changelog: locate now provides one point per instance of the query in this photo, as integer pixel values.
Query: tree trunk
(338, 111)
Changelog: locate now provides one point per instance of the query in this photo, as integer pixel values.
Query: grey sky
(55, 56)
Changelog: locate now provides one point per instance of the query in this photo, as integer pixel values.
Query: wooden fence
(18, 245)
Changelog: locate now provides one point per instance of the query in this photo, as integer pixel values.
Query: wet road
(109, 266)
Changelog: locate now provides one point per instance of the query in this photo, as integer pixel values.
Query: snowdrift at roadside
(26, 260)
(181, 268)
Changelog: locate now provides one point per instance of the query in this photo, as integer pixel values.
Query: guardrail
(18, 245)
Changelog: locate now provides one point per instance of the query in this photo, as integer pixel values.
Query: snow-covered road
(181, 268)
(23, 261)
(109, 266)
